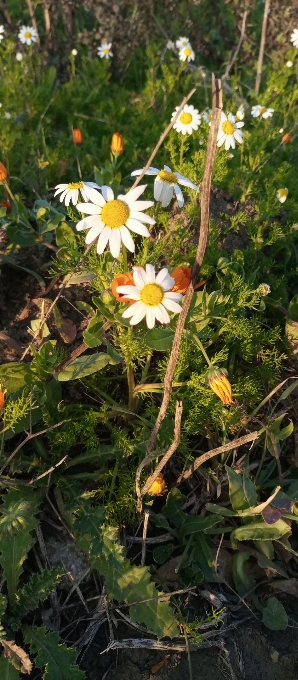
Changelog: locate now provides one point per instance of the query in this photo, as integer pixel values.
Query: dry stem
(262, 47)
(235, 55)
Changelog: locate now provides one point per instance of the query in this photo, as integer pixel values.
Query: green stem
(115, 472)
(9, 191)
(124, 255)
(181, 151)
(199, 344)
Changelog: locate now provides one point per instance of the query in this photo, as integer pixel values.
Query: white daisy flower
(187, 54)
(1, 32)
(71, 192)
(111, 218)
(182, 42)
(74, 52)
(264, 289)
(28, 35)
(189, 120)
(207, 115)
(294, 37)
(166, 184)
(282, 195)
(19, 56)
(104, 51)
(240, 114)
(229, 131)
(262, 111)
(151, 295)
(7, 115)
(289, 63)
(170, 45)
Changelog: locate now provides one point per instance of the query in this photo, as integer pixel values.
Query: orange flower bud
(117, 146)
(77, 136)
(3, 172)
(1, 399)
(217, 379)
(6, 204)
(182, 277)
(286, 138)
(158, 486)
(125, 279)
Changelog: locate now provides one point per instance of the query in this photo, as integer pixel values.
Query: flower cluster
(28, 35)
(229, 131)
(186, 52)
(188, 120)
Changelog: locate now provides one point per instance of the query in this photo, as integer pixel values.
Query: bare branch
(262, 47)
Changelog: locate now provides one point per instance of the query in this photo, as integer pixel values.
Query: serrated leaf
(259, 531)
(31, 594)
(274, 615)
(58, 659)
(83, 366)
(7, 671)
(12, 376)
(17, 656)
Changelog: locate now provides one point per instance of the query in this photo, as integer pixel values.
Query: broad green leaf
(220, 510)
(274, 615)
(65, 235)
(21, 236)
(8, 671)
(15, 547)
(172, 511)
(193, 525)
(58, 660)
(52, 223)
(81, 277)
(242, 490)
(162, 553)
(84, 365)
(265, 563)
(243, 581)
(92, 336)
(12, 376)
(104, 310)
(84, 307)
(260, 531)
(160, 339)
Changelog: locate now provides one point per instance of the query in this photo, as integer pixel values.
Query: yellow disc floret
(75, 185)
(228, 127)
(28, 34)
(185, 118)
(262, 110)
(166, 176)
(152, 294)
(187, 51)
(115, 213)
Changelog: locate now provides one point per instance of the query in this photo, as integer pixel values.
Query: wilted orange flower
(217, 379)
(182, 277)
(77, 136)
(158, 486)
(117, 146)
(2, 398)
(286, 138)
(6, 204)
(3, 172)
(125, 279)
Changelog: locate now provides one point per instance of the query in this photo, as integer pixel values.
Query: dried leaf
(11, 342)
(17, 656)
(271, 515)
(66, 327)
(159, 665)
(290, 586)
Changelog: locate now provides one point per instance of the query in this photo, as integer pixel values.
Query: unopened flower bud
(264, 289)
(217, 379)
(77, 136)
(286, 138)
(3, 172)
(117, 146)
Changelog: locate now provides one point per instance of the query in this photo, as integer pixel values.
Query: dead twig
(177, 433)
(215, 452)
(204, 229)
(262, 47)
(135, 643)
(27, 439)
(235, 55)
(144, 537)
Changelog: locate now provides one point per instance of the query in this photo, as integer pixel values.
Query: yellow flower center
(283, 192)
(167, 176)
(75, 185)
(28, 34)
(228, 127)
(115, 213)
(106, 50)
(152, 294)
(209, 115)
(187, 52)
(262, 110)
(185, 118)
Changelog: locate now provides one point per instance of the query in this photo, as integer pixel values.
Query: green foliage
(55, 657)
(31, 594)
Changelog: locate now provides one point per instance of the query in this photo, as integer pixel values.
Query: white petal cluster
(282, 195)
(182, 42)
(104, 51)
(70, 193)
(229, 132)
(28, 35)
(1, 32)
(188, 120)
(187, 54)
(167, 183)
(294, 37)
(111, 220)
(262, 111)
(151, 295)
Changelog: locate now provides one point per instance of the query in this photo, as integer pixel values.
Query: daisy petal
(179, 195)
(171, 305)
(107, 193)
(150, 171)
(93, 233)
(141, 205)
(140, 277)
(94, 196)
(137, 227)
(103, 239)
(142, 217)
(88, 222)
(133, 194)
(150, 271)
(150, 317)
(115, 242)
(162, 275)
(138, 313)
(89, 208)
(164, 314)
(127, 239)
(173, 296)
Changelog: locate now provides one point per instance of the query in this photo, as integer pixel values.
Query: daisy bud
(158, 486)
(264, 289)
(286, 138)
(3, 172)
(117, 146)
(217, 379)
(282, 195)
(77, 136)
